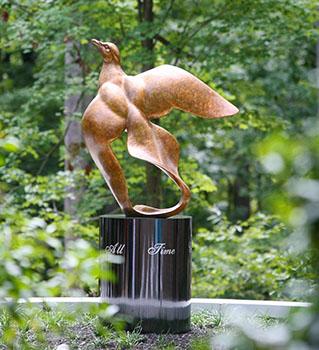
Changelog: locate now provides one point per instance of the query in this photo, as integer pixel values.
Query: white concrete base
(255, 307)
(223, 306)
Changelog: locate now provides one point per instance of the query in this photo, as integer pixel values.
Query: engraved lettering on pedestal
(116, 249)
(159, 248)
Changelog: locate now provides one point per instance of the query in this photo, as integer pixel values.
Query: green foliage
(35, 261)
(257, 53)
(246, 50)
(45, 329)
(260, 54)
(206, 319)
(129, 340)
(293, 162)
(250, 260)
(164, 343)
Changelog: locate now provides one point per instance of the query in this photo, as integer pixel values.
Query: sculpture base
(153, 283)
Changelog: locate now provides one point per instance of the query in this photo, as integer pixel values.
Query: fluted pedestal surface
(153, 283)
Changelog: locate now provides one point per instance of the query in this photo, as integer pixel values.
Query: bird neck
(111, 72)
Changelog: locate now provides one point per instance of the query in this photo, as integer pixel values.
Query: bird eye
(107, 48)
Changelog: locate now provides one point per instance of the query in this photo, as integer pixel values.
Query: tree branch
(175, 49)
(53, 149)
(140, 10)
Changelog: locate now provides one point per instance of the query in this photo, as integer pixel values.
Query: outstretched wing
(157, 146)
(167, 87)
(160, 90)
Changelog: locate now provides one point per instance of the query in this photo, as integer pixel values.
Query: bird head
(109, 51)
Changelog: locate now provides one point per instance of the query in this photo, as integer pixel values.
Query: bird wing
(164, 88)
(152, 143)
(167, 87)
(157, 146)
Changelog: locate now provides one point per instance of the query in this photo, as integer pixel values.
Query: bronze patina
(129, 103)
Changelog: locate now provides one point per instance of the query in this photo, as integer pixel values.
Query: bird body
(131, 102)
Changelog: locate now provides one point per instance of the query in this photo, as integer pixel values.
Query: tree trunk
(153, 174)
(315, 226)
(239, 199)
(74, 145)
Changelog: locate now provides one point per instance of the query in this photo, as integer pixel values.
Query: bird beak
(96, 43)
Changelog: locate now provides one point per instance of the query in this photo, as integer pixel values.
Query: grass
(206, 319)
(164, 343)
(47, 329)
(44, 329)
(129, 340)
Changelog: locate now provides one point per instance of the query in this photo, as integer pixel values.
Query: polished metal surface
(153, 282)
(129, 103)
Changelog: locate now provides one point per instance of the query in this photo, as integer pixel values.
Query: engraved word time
(159, 248)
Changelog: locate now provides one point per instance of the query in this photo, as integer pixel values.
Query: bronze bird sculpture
(129, 103)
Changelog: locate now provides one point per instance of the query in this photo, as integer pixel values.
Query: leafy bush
(248, 260)
(294, 162)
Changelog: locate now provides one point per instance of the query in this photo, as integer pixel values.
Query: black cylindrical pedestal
(153, 282)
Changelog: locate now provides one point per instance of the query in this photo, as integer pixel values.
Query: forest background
(259, 54)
